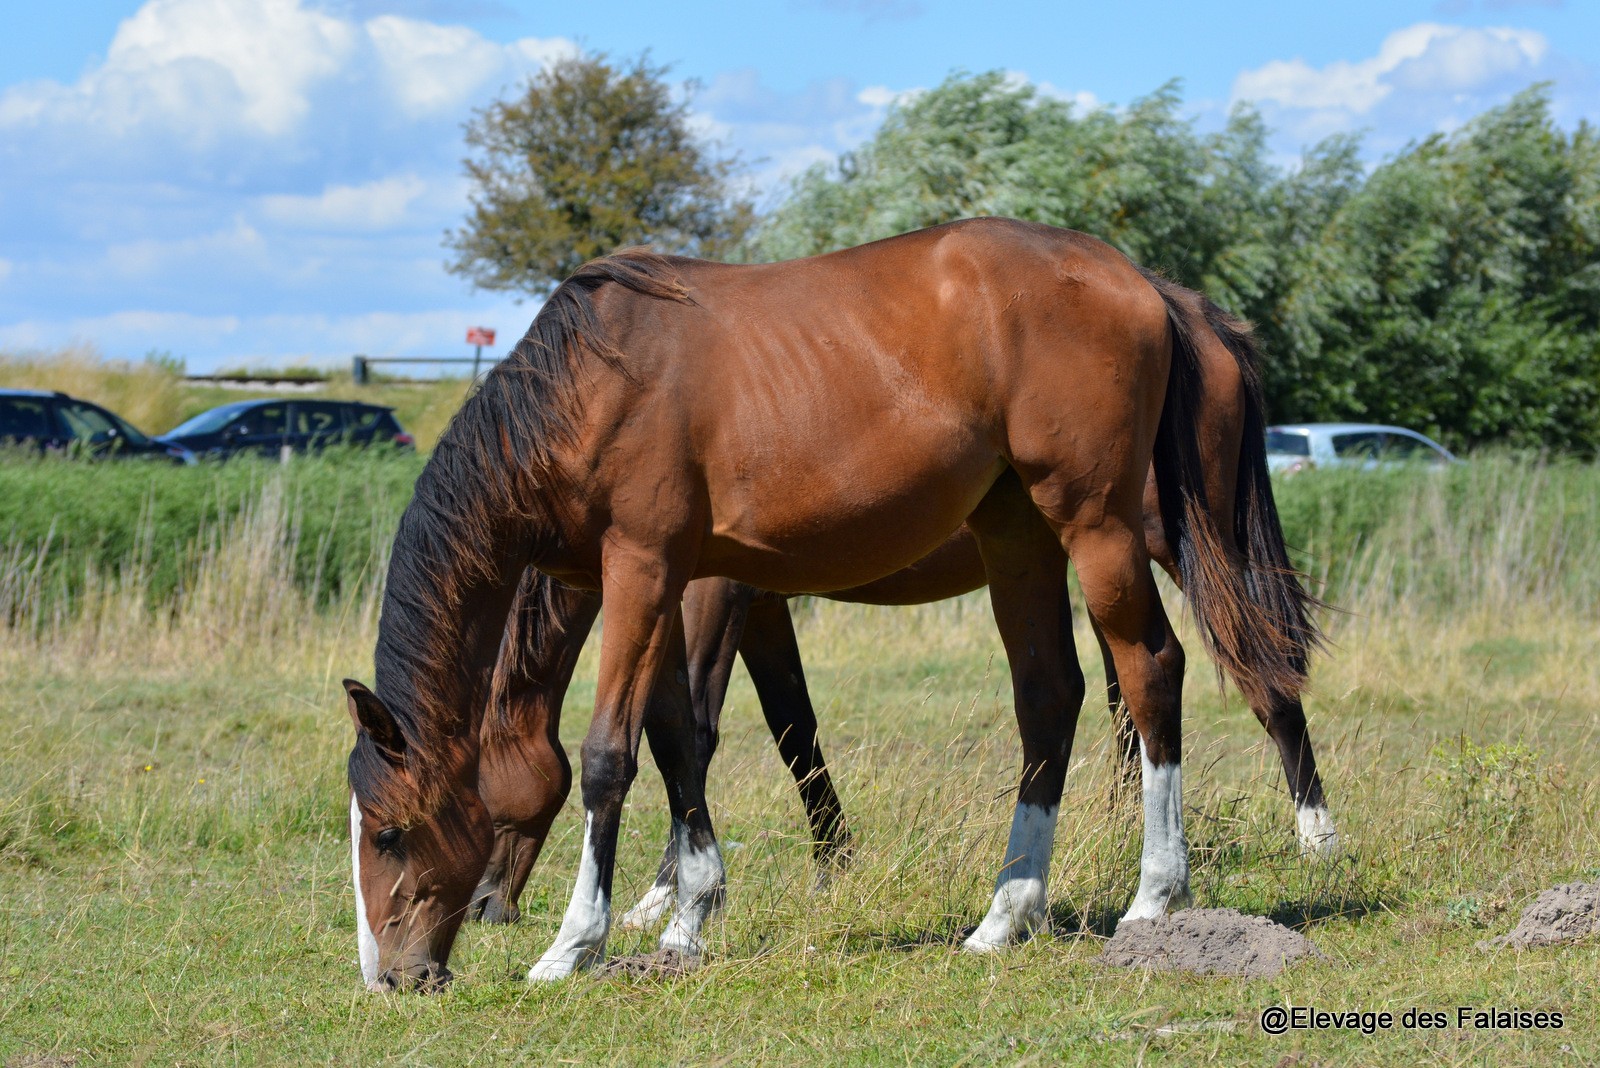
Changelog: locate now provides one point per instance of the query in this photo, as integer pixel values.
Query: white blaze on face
(366, 944)
(1020, 893)
(1164, 863)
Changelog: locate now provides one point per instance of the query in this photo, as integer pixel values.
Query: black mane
(491, 484)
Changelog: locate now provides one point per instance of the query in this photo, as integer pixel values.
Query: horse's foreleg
(772, 655)
(1121, 594)
(1027, 570)
(714, 612)
(642, 634)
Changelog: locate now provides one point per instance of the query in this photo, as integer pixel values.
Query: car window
(24, 418)
(208, 422)
(1361, 446)
(1281, 441)
(317, 420)
(1407, 448)
(261, 422)
(86, 423)
(366, 418)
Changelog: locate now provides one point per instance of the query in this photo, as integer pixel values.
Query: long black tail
(1254, 613)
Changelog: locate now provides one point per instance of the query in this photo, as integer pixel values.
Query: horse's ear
(370, 715)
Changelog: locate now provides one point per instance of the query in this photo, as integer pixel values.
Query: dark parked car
(49, 421)
(268, 427)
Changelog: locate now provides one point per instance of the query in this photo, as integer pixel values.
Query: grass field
(174, 859)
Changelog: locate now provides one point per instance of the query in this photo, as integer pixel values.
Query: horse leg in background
(772, 656)
(1125, 740)
(1121, 595)
(714, 614)
(1285, 721)
(1027, 571)
(643, 633)
(523, 773)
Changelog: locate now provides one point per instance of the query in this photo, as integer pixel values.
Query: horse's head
(418, 847)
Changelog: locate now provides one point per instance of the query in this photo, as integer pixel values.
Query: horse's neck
(439, 638)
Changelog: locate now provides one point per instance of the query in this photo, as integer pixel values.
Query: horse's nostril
(436, 978)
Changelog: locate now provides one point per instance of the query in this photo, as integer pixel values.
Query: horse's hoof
(493, 909)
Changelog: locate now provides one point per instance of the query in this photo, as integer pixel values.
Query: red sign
(480, 335)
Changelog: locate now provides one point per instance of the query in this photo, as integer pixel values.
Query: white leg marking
(648, 912)
(701, 886)
(1020, 891)
(1318, 835)
(581, 942)
(366, 944)
(1164, 864)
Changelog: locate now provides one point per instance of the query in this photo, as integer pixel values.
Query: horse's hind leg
(1283, 717)
(714, 612)
(1125, 739)
(1114, 572)
(772, 656)
(1026, 569)
(1285, 721)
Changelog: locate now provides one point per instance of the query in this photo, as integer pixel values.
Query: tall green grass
(1499, 531)
(74, 532)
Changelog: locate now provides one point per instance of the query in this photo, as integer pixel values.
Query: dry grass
(174, 863)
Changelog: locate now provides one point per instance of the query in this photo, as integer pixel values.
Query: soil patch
(662, 964)
(1563, 913)
(1207, 942)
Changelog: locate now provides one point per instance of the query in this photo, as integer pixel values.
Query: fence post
(358, 370)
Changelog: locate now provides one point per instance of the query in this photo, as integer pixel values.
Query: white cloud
(1424, 79)
(154, 256)
(432, 69)
(254, 67)
(5, 270)
(375, 205)
(1425, 57)
(201, 63)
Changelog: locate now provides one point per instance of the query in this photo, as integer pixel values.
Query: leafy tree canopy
(593, 155)
(1454, 288)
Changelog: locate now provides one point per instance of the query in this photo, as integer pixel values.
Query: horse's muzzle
(425, 979)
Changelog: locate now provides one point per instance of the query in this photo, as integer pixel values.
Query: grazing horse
(524, 775)
(808, 426)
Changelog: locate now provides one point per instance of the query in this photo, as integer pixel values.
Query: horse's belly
(810, 528)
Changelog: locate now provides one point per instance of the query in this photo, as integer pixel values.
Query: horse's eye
(387, 841)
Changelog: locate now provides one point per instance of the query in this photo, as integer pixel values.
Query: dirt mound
(662, 964)
(1561, 914)
(1207, 942)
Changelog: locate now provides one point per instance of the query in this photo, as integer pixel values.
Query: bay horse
(807, 426)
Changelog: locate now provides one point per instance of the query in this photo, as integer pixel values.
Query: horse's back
(838, 416)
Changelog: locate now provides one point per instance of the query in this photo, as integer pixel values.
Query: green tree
(1476, 260)
(591, 156)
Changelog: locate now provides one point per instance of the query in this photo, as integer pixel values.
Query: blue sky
(267, 182)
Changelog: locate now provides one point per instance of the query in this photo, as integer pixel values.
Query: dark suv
(268, 427)
(48, 421)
